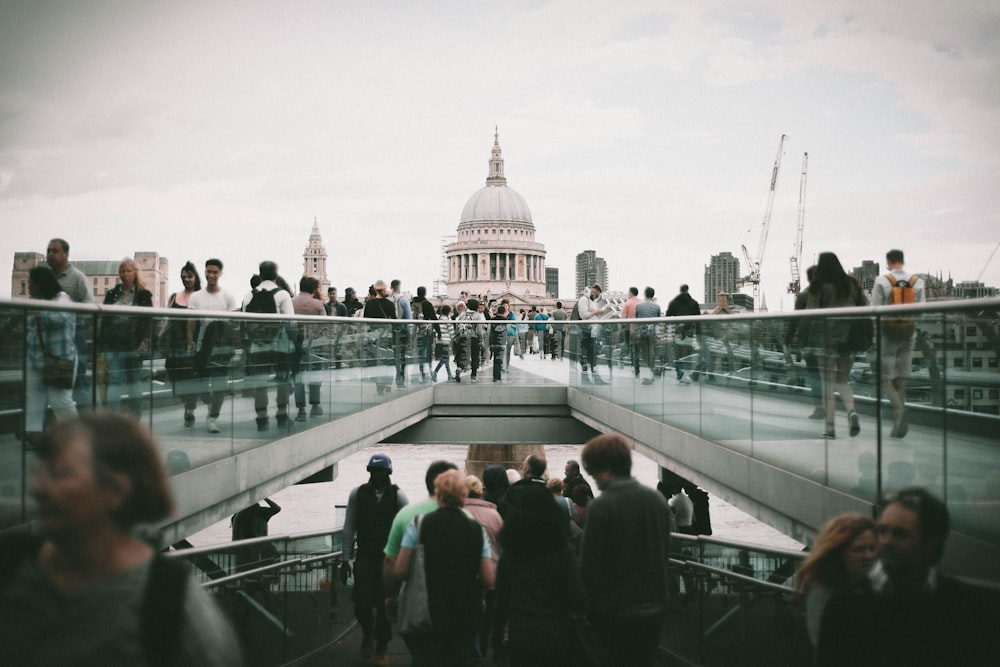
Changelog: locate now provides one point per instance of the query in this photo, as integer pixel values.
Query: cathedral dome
(496, 203)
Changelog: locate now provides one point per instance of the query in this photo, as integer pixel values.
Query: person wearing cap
(371, 509)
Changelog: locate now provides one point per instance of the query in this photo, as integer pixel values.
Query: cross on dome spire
(496, 176)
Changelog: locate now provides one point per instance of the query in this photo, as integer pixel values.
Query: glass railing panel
(732, 605)
(282, 595)
(967, 360)
(13, 483)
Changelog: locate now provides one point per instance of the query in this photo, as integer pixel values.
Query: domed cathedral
(495, 254)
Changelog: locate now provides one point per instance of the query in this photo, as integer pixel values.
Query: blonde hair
(450, 489)
(825, 564)
(555, 485)
(474, 484)
(140, 284)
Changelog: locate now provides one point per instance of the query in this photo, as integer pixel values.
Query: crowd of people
(516, 566)
(528, 569)
(459, 339)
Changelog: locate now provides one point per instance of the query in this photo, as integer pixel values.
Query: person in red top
(629, 336)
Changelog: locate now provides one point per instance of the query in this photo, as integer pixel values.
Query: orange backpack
(901, 327)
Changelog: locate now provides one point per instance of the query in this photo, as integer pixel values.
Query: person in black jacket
(371, 508)
(125, 340)
(680, 306)
(538, 587)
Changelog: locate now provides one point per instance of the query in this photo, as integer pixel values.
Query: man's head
(379, 465)
(595, 292)
(422, 292)
(380, 288)
(395, 285)
(649, 292)
(684, 289)
(213, 271)
(473, 304)
(607, 457)
(268, 270)
(811, 273)
(533, 466)
(894, 258)
(57, 255)
(308, 285)
(633, 291)
(350, 294)
(572, 468)
(558, 305)
(912, 532)
(435, 469)
(502, 310)
(331, 294)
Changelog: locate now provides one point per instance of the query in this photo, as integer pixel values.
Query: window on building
(977, 393)
(959, 362)
(991, 362)
(24, 288)
(994, 394)
(960, 394)
(971, 330)
(977, 362)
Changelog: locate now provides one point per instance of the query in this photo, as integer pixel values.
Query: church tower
(314, 259)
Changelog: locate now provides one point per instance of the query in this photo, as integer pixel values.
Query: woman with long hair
(173, 344)
(828, 339)
(125, 340)
(538, 582)
(53, 334)
(841, 556)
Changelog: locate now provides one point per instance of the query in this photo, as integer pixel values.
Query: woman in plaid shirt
(51, 332)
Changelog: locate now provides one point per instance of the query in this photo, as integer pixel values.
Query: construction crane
(796, 285)
(754, 265)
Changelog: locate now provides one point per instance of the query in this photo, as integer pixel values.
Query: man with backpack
(898, 333)
(371, 509)
(269, 345)
(423, 309)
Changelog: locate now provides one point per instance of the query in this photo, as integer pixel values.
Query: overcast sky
(645, 131)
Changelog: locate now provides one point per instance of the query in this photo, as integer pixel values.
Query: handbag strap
(38, 330)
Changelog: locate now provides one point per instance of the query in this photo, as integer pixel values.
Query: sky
(646, 131)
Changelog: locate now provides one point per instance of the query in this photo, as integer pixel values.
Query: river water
(309, 507)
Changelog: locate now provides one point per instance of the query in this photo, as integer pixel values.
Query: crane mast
(796, 285)
(754, 264)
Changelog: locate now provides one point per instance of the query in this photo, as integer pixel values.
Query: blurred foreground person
(914, 614)
(88, 591)
(839, 562)
(623, 560)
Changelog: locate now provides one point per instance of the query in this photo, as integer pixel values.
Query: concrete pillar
(480, 457)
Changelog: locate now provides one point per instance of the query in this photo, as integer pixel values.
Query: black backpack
(262, 301)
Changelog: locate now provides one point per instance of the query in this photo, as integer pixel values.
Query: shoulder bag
(414, 610)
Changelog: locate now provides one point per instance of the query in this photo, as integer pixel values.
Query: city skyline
(644, 132)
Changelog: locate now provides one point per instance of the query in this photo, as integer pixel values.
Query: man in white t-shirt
(212, 347)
